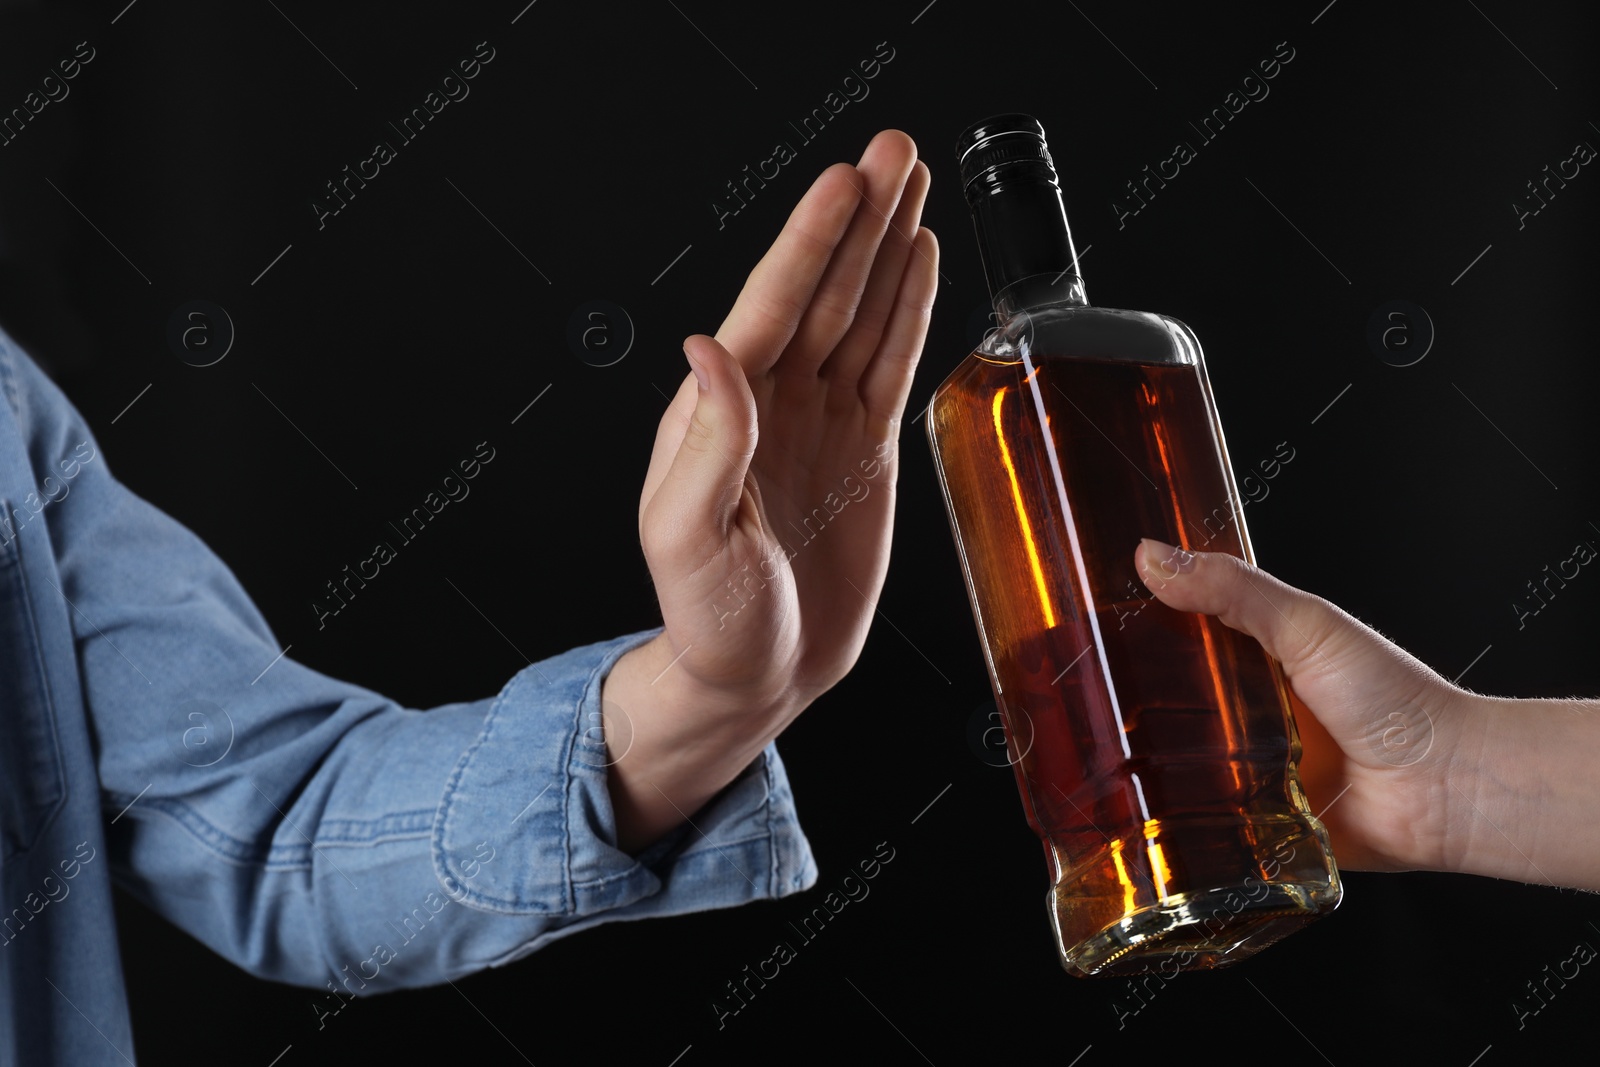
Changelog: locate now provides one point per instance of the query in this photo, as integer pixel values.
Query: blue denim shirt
(310, 830)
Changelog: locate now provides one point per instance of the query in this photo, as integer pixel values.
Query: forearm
(673, 744)
(1527, 802)
(456, 839)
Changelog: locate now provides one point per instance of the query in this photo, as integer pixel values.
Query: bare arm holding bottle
(1504, 787)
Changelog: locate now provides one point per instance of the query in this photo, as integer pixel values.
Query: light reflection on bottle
(1022, 512)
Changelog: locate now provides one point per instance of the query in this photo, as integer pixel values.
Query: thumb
(1377, 701)
(697, 502)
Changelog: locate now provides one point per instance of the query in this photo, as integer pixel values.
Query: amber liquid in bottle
(1154, 749)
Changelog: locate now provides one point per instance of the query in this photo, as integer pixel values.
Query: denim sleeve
(315, 832)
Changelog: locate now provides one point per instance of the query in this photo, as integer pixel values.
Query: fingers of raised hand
(887, 379)
(878, 300)
(779, 290)
(884, 169)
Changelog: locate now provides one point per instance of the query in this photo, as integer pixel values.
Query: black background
(1392, 148)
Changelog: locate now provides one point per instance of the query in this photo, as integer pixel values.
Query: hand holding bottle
(768, 505)
(1408, 770)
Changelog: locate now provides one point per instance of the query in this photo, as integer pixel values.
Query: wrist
(1462, 794)
(673, 742)
(1522, 799)
(684, 710)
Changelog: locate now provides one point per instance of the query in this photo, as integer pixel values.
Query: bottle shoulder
(1041, 336)
(1080, 332)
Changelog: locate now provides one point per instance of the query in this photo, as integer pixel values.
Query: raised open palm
(768, 506)
(769, 502)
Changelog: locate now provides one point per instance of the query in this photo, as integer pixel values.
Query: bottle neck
(1026, 245)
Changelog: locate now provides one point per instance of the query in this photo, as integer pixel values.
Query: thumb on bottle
(1296, 628)
(698, 500)
(1345, 669)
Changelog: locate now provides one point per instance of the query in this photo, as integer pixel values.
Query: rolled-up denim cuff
(534, 785)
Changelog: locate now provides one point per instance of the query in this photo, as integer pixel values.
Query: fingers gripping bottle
(1155, 750)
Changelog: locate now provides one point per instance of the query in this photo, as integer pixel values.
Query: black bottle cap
(1011, 186)
(1003, 148)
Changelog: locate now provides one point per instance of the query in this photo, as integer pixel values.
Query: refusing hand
(769, 502)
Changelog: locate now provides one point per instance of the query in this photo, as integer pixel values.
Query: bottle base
(1200, 929)
(1194, 931)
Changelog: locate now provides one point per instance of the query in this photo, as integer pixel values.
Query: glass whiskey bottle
(1155, 750)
